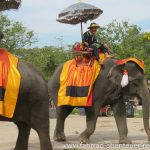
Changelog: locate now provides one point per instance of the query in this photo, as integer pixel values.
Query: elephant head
(137, 86)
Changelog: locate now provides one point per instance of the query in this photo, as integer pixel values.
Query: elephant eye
(136, 82)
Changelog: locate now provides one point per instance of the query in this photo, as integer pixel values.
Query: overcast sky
(40, 16)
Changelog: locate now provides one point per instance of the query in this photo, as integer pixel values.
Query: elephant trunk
(145, 96)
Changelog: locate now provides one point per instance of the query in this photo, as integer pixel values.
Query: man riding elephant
(90, 40)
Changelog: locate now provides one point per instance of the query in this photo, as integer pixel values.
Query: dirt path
(106, 132)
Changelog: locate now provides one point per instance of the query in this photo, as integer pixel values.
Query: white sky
(40, 16)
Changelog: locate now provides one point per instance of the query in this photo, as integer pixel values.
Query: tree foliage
(127, 40)
(47, 59)
(16, 36)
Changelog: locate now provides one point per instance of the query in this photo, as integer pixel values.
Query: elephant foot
(20, 148)
(59, 137)
(84, 139)
(125, 141)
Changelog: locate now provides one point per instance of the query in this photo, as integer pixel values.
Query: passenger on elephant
(89, 39)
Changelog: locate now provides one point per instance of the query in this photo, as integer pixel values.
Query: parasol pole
(81, 29)
(81, 25)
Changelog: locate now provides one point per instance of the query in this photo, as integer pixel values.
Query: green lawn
(75, 111)
(138, 113)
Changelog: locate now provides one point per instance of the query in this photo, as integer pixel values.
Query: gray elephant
(32, 108)
(106, 90)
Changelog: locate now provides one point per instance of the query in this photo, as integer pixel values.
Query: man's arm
(85, 37)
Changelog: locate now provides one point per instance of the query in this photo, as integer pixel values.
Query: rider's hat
(93, 25)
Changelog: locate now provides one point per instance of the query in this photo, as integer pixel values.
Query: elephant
(32, 108)
(107, 89)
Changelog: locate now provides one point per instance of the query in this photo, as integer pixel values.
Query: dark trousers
(104, 49)
(95, 52)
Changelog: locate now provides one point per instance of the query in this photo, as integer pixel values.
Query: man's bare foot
(101, 62)
(109, 56)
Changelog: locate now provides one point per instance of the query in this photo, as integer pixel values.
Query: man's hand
(106, 46)
(85, 44)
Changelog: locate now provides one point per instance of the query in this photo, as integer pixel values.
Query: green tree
(16, 36)
(126, 40)
(47, 59)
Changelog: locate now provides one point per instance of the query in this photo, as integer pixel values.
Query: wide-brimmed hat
(93, 25)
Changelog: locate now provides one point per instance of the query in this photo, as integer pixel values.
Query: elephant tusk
(125, 79)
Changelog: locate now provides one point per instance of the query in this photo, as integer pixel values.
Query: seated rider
(89, 39)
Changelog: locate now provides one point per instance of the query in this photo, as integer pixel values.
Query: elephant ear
(115, 74)
(134, 72)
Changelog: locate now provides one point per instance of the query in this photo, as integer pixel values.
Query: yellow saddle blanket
(76, 83)
(9, 83)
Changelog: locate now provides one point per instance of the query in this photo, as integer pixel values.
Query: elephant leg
(44, 139)
(39, 121)
(120, 118)
(62, 113)
(146, 108)
(91, 118)
(23, 136)
(42, 128)
(145, 97)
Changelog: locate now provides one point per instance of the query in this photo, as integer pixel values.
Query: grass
(138, 114)
(75, 112)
